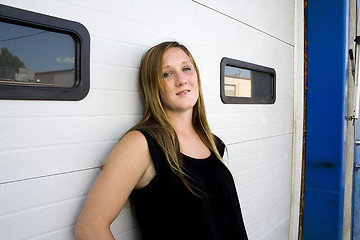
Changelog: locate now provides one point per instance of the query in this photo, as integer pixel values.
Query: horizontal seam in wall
(50, 175)
(257, 139)
(258, 166)
(35, 148)
(38, 207)
(284, 221)
(272, 175)
(115, 90)
(246, 24)
(247, 111)
(257, 126)
(274, 196)
(275, 186)
(281, 148)
(112, 64)
(69, 228)
(135, 68)
(121, 42)
(69, 116)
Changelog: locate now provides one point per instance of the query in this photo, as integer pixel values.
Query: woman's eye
(186, 69)
(165, 75)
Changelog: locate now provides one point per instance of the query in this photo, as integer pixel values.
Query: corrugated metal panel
(54, 149)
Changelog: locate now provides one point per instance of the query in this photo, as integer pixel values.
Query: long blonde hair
(155, 121)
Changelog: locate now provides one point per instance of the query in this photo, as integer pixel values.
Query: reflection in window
(36, 57)
(237, 82)
(243, 82)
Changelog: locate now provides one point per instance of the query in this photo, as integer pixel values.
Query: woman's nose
(181, 79)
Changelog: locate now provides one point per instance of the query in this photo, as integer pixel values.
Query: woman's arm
(124, 167)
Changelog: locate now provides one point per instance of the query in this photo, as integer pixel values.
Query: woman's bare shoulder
(134, 137)
(133, 140)
(131, 147)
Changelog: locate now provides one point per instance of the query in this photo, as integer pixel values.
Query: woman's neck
(182, 121)
(190, 142)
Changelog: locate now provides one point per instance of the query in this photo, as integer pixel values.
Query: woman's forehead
(175, 56)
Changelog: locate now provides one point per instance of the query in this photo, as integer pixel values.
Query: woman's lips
(183, 92)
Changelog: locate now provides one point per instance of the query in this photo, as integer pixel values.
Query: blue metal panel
(326, 98)
(356, 176)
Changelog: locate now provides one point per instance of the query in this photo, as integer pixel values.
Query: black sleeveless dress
(166, 209)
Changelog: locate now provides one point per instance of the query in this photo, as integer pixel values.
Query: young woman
(169, 164)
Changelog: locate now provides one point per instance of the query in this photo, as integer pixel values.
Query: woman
(170, 164)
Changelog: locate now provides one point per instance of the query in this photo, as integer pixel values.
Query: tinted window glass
(243, 82)
(237, 82)
(42, 57)
(35, 57)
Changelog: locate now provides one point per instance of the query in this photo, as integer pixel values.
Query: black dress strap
(156, 152)
(219, 145)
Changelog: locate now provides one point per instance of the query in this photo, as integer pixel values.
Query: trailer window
(42, 57)
(246, 83)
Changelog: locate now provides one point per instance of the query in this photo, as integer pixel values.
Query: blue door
(326, 100)
(356, 176)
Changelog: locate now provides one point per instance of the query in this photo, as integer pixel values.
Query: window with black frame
(246, 83)
(42, 57)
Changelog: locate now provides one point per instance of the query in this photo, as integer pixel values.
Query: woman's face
(180, 81)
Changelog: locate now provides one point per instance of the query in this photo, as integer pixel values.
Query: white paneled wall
(50, 152)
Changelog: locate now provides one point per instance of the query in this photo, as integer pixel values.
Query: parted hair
(155, 120)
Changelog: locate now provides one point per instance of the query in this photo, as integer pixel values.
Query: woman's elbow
(80, 231)
(87, 232)
(84, 231)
